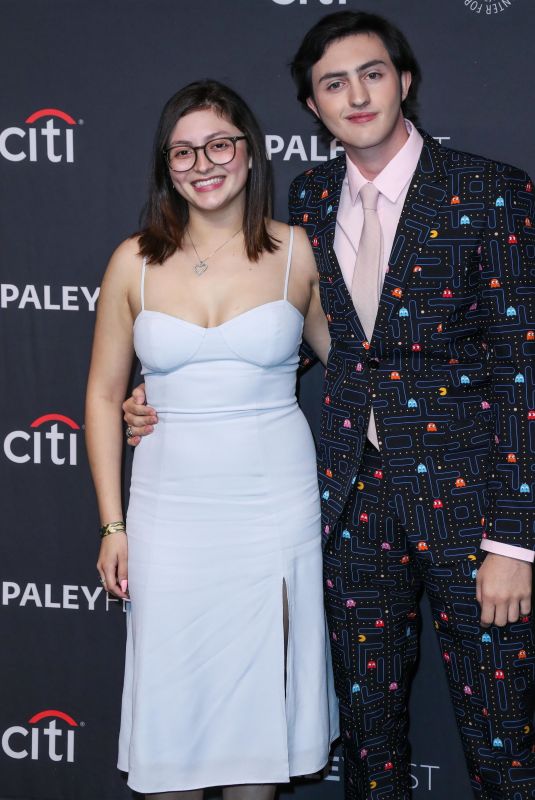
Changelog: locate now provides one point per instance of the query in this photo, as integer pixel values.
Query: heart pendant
(201, 267)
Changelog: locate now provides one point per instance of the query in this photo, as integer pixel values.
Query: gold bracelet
(112, 527)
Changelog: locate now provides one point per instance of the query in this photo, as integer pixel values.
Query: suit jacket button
(373, 363)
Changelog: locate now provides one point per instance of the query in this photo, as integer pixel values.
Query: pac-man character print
(453, 333)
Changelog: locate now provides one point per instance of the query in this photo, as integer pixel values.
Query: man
(425, 257)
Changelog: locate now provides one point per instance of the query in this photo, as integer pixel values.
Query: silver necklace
(201, 265)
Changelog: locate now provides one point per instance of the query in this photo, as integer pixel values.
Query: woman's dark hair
(337, 26)
(166, 214)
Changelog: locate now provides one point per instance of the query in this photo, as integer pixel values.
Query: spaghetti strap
(289, 264)
(142, 286)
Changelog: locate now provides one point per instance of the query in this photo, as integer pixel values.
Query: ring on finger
(129, 432)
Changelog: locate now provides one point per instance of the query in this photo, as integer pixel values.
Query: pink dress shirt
(393, 183)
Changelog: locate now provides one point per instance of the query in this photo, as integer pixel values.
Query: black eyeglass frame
(203, 147)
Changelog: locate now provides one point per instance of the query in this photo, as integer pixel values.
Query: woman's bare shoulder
(126, 259)
(127, 252)
(303, 260)
(123, 270)
(281, 231)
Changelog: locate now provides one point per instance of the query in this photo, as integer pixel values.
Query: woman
(225, 679)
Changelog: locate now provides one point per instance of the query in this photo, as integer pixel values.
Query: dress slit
(286, 628)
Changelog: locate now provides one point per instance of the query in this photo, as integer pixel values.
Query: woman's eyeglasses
(181, 157)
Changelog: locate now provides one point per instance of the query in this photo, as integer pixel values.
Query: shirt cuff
(502, 549)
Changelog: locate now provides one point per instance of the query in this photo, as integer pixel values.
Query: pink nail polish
(124, 585)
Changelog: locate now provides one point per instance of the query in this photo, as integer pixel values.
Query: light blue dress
(224, 509)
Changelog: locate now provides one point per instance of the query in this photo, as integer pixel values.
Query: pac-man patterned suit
(449, 374)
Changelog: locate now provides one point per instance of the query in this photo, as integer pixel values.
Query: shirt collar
(394, 177)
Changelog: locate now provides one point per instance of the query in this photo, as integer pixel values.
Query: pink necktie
(367, 282)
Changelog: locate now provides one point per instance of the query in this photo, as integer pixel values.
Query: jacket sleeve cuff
(502, 549)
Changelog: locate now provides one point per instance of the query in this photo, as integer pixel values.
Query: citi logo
(305, 2)
(49, 140)
(44, 444)
(21, 742)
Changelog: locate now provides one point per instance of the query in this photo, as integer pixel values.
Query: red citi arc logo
(52, 445)
(21, 742)
(48, 140)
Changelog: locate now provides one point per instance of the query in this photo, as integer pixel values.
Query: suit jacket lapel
(329, 204)
(415, 229)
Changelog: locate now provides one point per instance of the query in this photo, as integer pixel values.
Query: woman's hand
(139, 417)
(112, 564)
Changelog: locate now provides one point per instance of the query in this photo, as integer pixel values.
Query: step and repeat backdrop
(83, 83)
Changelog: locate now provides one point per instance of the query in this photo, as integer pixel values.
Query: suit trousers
(373, 579)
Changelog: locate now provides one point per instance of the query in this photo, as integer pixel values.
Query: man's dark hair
(341, 24)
